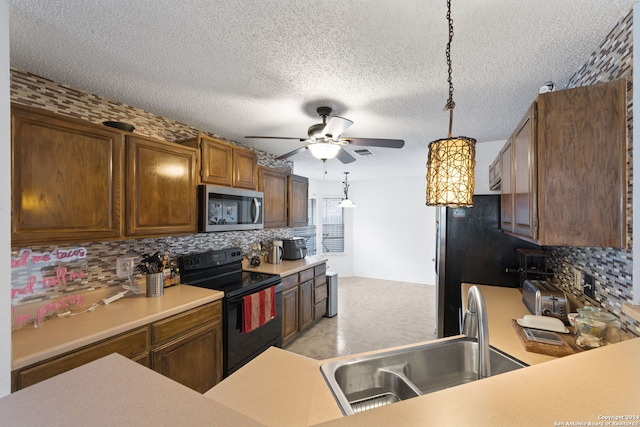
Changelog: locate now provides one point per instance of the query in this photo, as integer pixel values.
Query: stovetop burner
(222, 270)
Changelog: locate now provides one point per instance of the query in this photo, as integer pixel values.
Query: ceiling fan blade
(291, 153)
(276, 137)
(345, 157)
(335, 126)
(375, 142)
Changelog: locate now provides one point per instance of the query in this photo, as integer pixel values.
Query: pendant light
(346, 203)
(451, 161)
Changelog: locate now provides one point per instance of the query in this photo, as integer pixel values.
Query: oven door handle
(238, 298)
(256, 210)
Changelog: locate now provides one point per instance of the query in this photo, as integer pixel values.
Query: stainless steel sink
(367, 382)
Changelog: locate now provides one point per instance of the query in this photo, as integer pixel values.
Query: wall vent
(363, 152)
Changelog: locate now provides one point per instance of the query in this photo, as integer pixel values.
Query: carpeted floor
(372, 314)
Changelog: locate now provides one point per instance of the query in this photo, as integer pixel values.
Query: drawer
(321, 280)
(289, 282)
(167, 329)
(133, 345)
(320, 269)
(320, 293)
(319, 310)
(306, 275)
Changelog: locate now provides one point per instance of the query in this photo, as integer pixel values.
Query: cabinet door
(525, 209)
(506, 193)
(161, 188)
(298, 193)
(66, 179)
(194, 359)
(306, 304)
(289, 314)
(273, 183)
(245, 165)
(582, 166)
(217, 162)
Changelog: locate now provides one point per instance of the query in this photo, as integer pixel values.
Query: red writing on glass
(48, 282)
(61, 303)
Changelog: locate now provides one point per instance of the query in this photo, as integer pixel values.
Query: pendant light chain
(451, 161)
(450, 104)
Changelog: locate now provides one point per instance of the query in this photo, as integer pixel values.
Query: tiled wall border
(612, 268)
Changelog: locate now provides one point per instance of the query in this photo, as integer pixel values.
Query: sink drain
(373, 402)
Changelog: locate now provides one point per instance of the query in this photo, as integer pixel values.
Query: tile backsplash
(611, 268)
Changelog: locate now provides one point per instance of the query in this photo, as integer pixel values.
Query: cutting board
(568, 347)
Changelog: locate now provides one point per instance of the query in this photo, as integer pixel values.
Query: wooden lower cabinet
(304, 301)
(186, 347)
(289, 314)
(306, 304)
(188, 360)
(133, 344)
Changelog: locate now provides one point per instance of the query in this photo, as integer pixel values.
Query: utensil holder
(155, 284)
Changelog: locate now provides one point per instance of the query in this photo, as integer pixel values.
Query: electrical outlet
(577, 278)
(125, 267)
(589, 288)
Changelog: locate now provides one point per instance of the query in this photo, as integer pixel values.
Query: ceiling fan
(324, 140)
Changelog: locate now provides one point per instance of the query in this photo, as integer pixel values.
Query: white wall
(337, 263)
(394, 231)
(5, 205)
(391, 234)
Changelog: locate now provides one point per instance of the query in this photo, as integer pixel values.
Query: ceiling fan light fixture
(324, 150)
(451, 161)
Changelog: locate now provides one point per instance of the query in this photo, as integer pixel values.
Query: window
(309, 232)
(332, 226)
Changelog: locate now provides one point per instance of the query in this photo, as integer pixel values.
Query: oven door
(240, 348)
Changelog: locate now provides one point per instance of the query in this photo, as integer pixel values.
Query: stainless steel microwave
(227, 209)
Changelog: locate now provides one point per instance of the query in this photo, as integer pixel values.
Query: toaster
(293, 249)
(544, 299)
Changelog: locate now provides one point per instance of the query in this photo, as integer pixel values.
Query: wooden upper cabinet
(524, 176)
(245, 168)
(225, 164)
(568, 165)
(506, 197)
(66, 179)
(298, 193)
(273, 183)
(161, 187)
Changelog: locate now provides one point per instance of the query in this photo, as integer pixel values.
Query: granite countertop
(285, 268)
(60, 335)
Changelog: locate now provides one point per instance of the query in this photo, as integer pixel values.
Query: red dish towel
(258, 309)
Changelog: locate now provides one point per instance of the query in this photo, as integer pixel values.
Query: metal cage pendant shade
(451, 161)
(450, 177)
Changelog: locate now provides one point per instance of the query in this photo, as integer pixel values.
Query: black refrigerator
(470, 247)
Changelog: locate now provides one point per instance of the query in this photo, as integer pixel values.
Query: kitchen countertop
(281, 388)
(114, 391)
(292, 390)
(60, 335)
(285, 268)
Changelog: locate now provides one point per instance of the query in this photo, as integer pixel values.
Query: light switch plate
(589, 288)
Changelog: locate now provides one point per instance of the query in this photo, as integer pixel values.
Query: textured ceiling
(244, 67)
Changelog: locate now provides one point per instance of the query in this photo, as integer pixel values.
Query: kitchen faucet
(475, 324)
